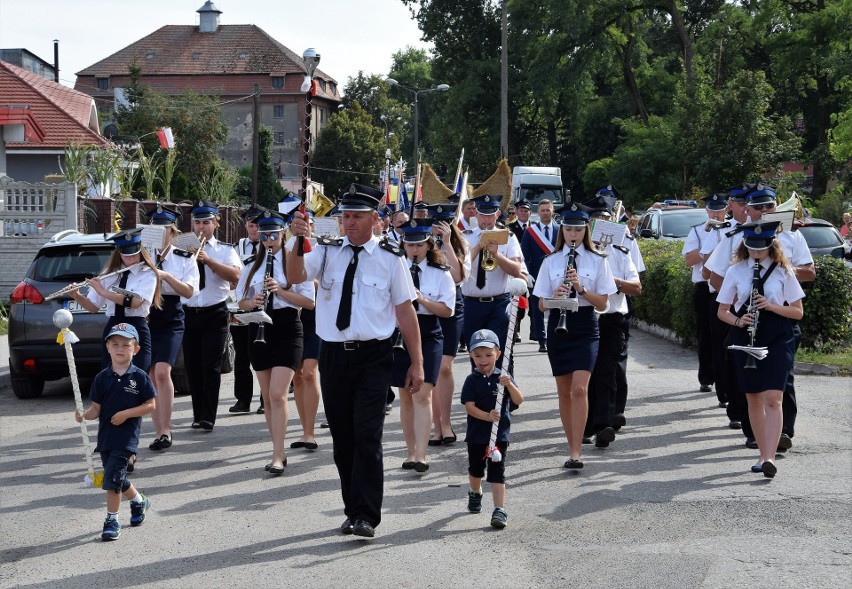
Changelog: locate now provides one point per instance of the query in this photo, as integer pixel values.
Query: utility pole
(255, 144)
(504, 83)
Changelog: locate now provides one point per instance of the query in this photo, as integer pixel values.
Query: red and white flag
(167, 140)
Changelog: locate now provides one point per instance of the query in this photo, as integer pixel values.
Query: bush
(667, 289)
(827, 324)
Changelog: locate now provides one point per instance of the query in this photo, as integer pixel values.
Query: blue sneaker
(112, 530)
(499, 518)
(474, 502)
(137, 511)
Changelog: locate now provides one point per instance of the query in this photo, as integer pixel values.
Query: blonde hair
(776, 254)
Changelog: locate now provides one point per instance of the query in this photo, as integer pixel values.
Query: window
(278, 138)
(277, 81)
(103, 83)
(322, 85)
(278, 111)
(332, 88)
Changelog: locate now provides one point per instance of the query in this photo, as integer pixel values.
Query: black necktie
(160, 258)
(547, 232)
(480, 272)
(344, 312)
(122, 283)
(253, 247)
(415, 276)
(202, 277)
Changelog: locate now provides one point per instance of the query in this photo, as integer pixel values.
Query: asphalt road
(671, 503)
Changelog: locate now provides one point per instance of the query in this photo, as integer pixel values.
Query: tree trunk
(685, 41)
(636, 102)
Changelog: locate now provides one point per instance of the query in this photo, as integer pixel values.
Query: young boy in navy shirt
(479, 396)
(121, 394)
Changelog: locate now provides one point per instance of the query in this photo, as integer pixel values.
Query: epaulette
(438, 266)
(391, 247)
(335, 241)
(630, 236)
(598, 252)
(228, 244)
(249, 260)
(621, 248)
(182, 253)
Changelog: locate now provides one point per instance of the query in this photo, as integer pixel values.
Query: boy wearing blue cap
(121, 395)
(479, 396)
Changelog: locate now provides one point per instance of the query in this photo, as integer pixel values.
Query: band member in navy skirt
(141, 288)
(450, 242)
(572, 353)
(761, 298)
(178, 275)
(436, 297)
(276, 355)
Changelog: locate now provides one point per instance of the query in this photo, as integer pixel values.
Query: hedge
(666, 298)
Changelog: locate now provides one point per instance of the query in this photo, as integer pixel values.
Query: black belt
(356, 345)
(498, 297)
(215, 307)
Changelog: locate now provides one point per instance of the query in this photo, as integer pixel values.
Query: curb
(5, 379)
(800, 368)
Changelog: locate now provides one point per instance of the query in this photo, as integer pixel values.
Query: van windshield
(535, 194)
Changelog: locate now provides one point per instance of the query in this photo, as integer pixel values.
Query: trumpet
(78, 285)
(714, 224)
(487, 261)
(562, 326)
(261, 328)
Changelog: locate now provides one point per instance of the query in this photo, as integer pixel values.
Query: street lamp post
(417, 93)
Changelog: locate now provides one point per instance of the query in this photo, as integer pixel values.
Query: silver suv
(34, 355)
(672, 223)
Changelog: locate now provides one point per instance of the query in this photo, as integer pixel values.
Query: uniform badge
(352, 190)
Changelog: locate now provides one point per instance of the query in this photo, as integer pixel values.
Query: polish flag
(167, 140)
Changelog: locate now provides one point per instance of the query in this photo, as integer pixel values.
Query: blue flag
(402, 203)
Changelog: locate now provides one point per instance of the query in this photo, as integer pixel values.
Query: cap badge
(440, 209)
(487, 198)
(159, 208)
(352, 190)
(413, 223)
(267, 214)
(758, 230)
(574, 207)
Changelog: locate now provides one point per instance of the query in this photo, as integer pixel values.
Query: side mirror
(646, 233)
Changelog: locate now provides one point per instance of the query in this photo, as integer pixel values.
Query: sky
(349, 35)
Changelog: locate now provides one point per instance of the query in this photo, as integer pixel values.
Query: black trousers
(203, 348)
(621, 368)
(243, 375)
(737, 402)
(724, 379)
(602, 386)
(354, 393)
(788, 401)
(703, 325)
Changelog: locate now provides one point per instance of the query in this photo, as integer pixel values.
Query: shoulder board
(391, 247)
(697, 225)
(182, 253)
(621, 248)
(438, 266)
(227, 244)
(249, 260)
(630, 236)
(598, 252)
(336, 241)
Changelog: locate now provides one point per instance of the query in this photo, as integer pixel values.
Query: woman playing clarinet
(578, 274)
(436, 297)
(761, 298)
(275, 349)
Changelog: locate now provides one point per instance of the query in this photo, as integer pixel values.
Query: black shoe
(324, 425)
(408, 465)
(363, 529)
(573, 464)
(587, 439)
(518, 339)
(449, 440)
(769, 469)
(435, 442)
(751, 443)
(131, 463)
(723, 405)
(205, 425)
(734, 424)
(618, 421)
(261, 410)
(347, 527)
(196, 424)
(388, 408)
(240, 408)
(161, 443)
(705, 388)
(542, 348)
(421, 467)
(784, 443)
(462, 348)
(604, 437)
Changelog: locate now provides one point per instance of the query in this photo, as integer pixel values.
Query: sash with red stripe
(538, 236)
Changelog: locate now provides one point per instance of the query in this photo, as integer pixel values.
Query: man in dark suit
(538, 241)
(522, 219)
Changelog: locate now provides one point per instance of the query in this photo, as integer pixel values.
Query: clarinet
(562, 326)
(261, 328)
(755, 313)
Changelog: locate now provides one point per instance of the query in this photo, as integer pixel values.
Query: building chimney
(56, 60)
(209, 21)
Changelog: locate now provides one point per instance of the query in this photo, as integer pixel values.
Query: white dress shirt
(181, 267)
(255, 287)
(623, 268)
(436, 285)
(593, 270)
(700, 240)
(216, 289)
(497, 281)
(141, 281)
(780, 287)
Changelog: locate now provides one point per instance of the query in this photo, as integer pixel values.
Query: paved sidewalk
(5, 379)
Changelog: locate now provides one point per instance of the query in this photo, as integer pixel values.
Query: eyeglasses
(269, 236)
(763, 207)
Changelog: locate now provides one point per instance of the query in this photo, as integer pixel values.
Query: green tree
(350, 149)
(269, 189)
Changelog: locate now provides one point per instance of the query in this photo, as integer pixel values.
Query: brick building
(226, 61)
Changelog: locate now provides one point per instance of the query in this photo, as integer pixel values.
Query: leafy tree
(269, 190)
(350, 149)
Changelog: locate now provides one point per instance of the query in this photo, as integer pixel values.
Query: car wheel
(27, 387)
(228, 357)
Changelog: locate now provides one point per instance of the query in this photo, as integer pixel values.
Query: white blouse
(780, 287)
(436, 285)
(141, 281)
(255, 287)
(593, 270)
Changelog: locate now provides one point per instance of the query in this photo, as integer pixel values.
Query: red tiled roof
(63, 113)
(183, 50)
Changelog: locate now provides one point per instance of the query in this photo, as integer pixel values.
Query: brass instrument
(79, 285)
(562, 326)
(714, 224)
(320, 204)
(498, 236)
(261, 328)
(753, 352)
(794, 203)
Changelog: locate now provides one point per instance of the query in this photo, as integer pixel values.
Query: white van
(535, 184)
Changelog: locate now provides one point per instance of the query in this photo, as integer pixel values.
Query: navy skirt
(284, 342)
(142, 360)
(452, 327)
(775, 333)
(432, 342)
(167, 326)
(576, 350)
(309, 329)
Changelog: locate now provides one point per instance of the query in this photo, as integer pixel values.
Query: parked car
(673, 223)
(823, 238)
(34, 355)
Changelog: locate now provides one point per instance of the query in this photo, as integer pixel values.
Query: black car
(672, 223)
(34, 355)
(823, 238)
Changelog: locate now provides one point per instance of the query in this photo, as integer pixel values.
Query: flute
(79, 285)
